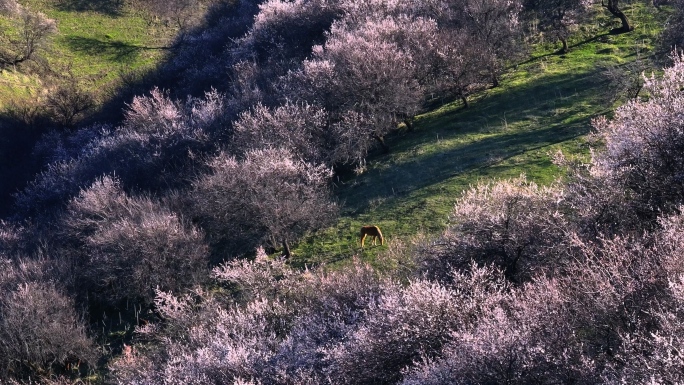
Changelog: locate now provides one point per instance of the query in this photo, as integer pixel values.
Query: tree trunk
(286, 249)
(638, 90)
(409, 123)
(381, 140)
(614, 9)
(565, 48)
(465, 102)
(495, 80)
(511, 269)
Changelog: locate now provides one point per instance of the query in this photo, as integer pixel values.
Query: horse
(373, 231)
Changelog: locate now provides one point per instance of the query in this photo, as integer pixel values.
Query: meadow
(544, 104)
(97, 42)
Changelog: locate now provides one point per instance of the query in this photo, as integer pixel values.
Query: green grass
(98, 46)
(96, 41)
(543, 105)
(17, 86)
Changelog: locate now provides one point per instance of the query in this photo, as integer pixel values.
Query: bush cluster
(517, 290)
(579, 282)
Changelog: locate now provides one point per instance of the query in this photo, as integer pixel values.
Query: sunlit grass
(543, 105)
(95, 43)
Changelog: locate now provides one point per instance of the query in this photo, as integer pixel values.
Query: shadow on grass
(114, 50)
(106, 7)
(599, 37)
(548, 111)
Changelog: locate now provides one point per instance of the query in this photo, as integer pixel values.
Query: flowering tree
(494, 27)
(40, 332)
(366, 85)
(673, 35)
(279, 33)
(644, 145)
(127, 247)
(268, 198)
(300, 128)
(514, 224)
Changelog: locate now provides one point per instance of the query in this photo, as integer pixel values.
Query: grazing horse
(373, 231)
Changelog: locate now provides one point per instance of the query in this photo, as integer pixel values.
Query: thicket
(517, 290)
(577, 282)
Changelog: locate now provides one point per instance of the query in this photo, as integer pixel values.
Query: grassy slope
(543, 105)
(96, 40)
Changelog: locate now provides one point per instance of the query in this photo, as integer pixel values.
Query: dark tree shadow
(114, 50)
(600, 37)
(548, 118)
(561, 52)
(106, 7)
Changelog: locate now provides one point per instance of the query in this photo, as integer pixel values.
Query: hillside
(96, 42)
(96, 50)
(544, 104)
(192, 214)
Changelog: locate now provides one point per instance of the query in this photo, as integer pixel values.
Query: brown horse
(373, 231)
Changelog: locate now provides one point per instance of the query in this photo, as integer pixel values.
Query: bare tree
(557, 17)
(626, 80)
(180, 13)
(28, 35)
(68, 102)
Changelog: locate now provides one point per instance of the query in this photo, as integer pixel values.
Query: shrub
(128, 247)
(12, 238)
(514, 224)
(644, 142)
(180, 13)
(269, 198)
(40, 332)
